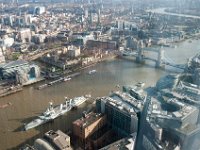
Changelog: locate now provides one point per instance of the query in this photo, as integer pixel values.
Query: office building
(121, 110)
(86, 126)
(38, 10)
(89, 130)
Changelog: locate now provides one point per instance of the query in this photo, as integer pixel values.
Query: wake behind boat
(5, 105)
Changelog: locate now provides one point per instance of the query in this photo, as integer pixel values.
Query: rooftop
(180, 114)
(88, 119)
(125, 102)
(58, 138)
(123, 144)
(188, 87)
(28, 147)
(13, 64)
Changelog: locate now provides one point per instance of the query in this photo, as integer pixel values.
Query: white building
(6, 42)
(73, 51)
(25, 35)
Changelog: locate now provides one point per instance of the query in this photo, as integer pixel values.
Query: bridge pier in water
(160, 60)
(140, 56)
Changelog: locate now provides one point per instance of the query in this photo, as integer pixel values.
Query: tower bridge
(161, 60)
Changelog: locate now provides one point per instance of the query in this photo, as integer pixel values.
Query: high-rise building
(38, 10)
(121, 110)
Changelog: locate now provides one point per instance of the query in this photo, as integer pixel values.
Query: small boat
(67, 79)
(79, 100)
(92, 71)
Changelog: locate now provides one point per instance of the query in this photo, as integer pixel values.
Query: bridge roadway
(148, 58)
(152, 49)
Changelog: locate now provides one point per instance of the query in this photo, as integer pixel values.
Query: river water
(31, 102)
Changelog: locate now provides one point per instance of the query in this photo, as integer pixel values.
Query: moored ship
(78, 101)
(50, 114)
(53, 112)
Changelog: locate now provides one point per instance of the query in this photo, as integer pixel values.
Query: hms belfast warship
(53, 112)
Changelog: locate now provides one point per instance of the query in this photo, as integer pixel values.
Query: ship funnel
(50, 105)
(61, 106)
(70, 102)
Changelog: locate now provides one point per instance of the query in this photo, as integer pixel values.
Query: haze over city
(99, 74)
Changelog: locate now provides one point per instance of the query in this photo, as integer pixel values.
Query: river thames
(31, 102)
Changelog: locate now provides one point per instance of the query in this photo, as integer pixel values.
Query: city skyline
(89, 74)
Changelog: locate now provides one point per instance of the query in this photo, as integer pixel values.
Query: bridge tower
(160, 60)
(140, 56)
